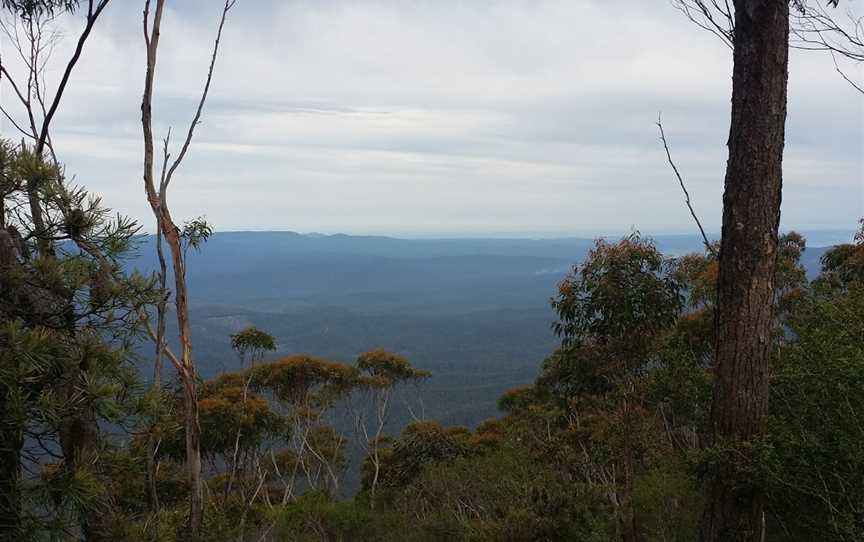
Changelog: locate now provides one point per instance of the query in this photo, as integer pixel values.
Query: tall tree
(611, 312)
(68, 317)
(173, 236)
(748, 251)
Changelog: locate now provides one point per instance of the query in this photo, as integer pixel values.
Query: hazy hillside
(475, 312)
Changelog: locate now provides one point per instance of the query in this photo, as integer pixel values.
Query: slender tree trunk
(161, 313)
(171, 234)
(165, 223)
(193, 457)
(751, 217)
(190, 399)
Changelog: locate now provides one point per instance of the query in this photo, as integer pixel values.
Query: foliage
(605, 444)
(252, 341)
(385, 368)
(844, 264)
(195, 232)
(69, 317)
(620, 290)
(815, 456)
(31, 8)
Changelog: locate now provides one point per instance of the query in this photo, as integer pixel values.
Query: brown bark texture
(734, 508)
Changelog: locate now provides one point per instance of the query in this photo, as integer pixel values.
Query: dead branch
(197, 118)
(683, 187)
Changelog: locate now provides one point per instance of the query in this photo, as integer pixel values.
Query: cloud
(451, 118)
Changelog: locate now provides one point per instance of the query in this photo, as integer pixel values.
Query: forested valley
(193, 384)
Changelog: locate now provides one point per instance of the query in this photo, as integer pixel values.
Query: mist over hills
(475, 312)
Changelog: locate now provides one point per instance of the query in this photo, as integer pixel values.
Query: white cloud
(444, 117)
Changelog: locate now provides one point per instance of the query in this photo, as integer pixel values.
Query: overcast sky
(443, 118)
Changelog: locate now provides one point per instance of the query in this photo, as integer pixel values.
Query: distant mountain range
(475, 312)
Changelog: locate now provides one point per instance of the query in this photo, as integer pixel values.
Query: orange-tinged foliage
(517, 398)
(386, 368)
(293, 378)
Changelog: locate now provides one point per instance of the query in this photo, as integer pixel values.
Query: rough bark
(751, 217)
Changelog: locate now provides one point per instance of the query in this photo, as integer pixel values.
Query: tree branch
(683, 187)
(197, 118)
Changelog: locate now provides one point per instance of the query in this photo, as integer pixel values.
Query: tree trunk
(751, 218)
(193, 429)
(193, 457)
(159, 205)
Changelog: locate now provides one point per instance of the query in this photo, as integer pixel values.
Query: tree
(748, 252)
(69, 317)
(843, 265)
(813, 458)
(35, 15)
(382, 373)
(167, 229)
(611, 312)
(758, 31)
(304, 389)
(251, 342)
(30, 7)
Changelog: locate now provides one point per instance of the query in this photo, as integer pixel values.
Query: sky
(419, 118)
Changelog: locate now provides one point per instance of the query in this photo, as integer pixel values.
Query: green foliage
(30, 8)
(668, 501)
(69, 317)
(604, 445)
(385, 368)
(816, 459)
(195, 233)
(252, 341)
(697, 275)
(314, 517)
(844, 264)
(621, 289)
(504, 494)
(422, 443)
(301, 379)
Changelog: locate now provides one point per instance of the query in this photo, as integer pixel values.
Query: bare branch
(197, 118)
(683, 187)
(92, 16)
(854, 85)
(9, 117)
(167, 230)
(164, 346)
(812, 27)
(24, 101)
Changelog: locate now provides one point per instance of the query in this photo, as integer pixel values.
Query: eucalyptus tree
(156, 192)
(382, 373)
(611, 312)
(758, 32)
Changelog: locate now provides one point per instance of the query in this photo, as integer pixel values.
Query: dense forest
(710, 395)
